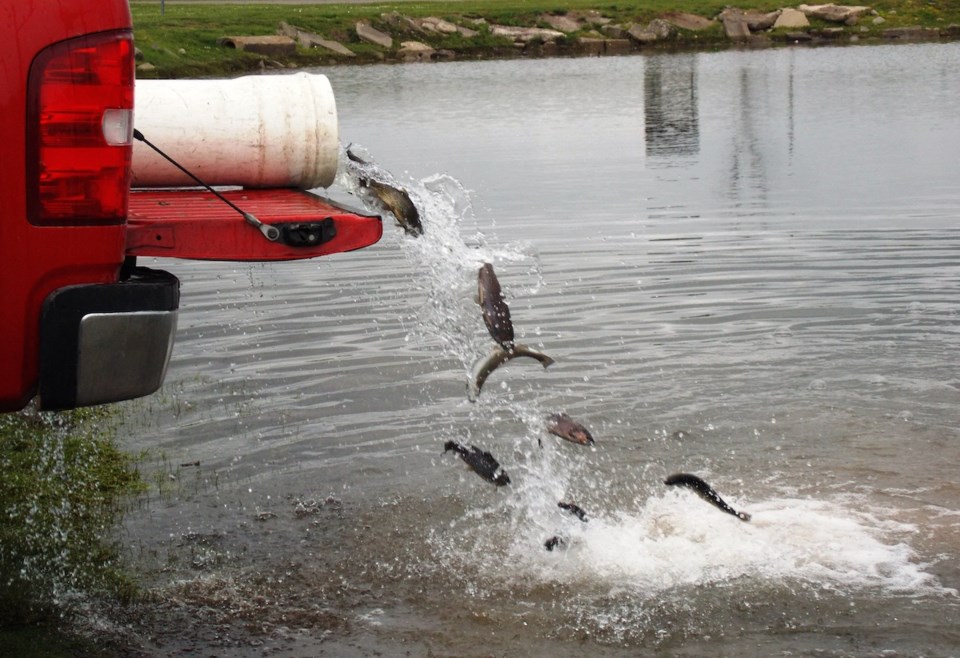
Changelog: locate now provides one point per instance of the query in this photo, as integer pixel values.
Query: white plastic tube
(254, 131)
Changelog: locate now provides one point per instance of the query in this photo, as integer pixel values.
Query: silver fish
(705, 491)
(484, 366)
(567, 428)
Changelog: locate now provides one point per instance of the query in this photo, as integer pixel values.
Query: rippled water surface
(745, 265)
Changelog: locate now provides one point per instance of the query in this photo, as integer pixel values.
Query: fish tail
(525, 350)
(485, 366)
(482, 369)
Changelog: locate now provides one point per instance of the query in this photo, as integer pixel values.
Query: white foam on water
(676, 540)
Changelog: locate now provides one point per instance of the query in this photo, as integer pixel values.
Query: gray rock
(334, 46)
(791, 18)
(466, 32)
(563, 23)
(415, 51)
(688, 21)
(398, 21)
(374, 36)
(525, 34)
(661, 28)
(312, 40)
(832, 32)
(757, 21)
(735, 24)
(834, 13)
(438, 25)
(614, 32)
(641, 35)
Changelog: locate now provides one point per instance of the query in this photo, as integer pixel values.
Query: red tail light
(80, 124)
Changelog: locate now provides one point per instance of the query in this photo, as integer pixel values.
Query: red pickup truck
(82, 322)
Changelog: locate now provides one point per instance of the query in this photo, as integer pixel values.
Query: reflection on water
(762, 293)
(670, 107)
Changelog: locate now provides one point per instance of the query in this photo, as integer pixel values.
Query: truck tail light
(79, 131)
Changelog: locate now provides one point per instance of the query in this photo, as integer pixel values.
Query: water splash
(650, 548)
(445, 260)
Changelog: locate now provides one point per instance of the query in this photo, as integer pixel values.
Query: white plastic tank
(253, 131)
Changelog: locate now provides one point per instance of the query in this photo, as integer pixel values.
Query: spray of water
(648, 545)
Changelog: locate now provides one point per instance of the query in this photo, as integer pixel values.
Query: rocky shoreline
(401, 38)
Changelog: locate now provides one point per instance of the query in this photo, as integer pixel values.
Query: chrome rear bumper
(107, 342)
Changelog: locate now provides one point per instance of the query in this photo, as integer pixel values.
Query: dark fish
(484, 366)
(705, 491)
(398, 203)
(482, 462)
(554, 542)
(567, 428)
(574, 509)
(353, 156)
(496, 313)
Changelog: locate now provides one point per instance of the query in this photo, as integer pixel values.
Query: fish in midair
(705, 491)
(483, 367)
(496, 313)
(395, 200)
(567, 428)
(482, 462)
(554, 542)
(496, 316)
(574, 509)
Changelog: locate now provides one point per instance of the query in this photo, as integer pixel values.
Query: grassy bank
(62, 493)
(182, 41)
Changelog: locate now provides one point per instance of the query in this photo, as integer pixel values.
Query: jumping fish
(483, 367)
(705, 491)
(353, 156)
(574, 509)
(567, 428)
(483, 463)
(395, 199)
(554, 542)
(496, 315)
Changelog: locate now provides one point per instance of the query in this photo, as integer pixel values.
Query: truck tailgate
(193, 223)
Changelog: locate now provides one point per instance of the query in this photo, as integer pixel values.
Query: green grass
(182, 41)
(62, 493)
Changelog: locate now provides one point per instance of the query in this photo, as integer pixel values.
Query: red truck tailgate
(193, 223)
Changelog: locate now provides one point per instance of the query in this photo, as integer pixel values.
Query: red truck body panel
(38, 259)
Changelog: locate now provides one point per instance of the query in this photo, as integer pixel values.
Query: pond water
(745, 265)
